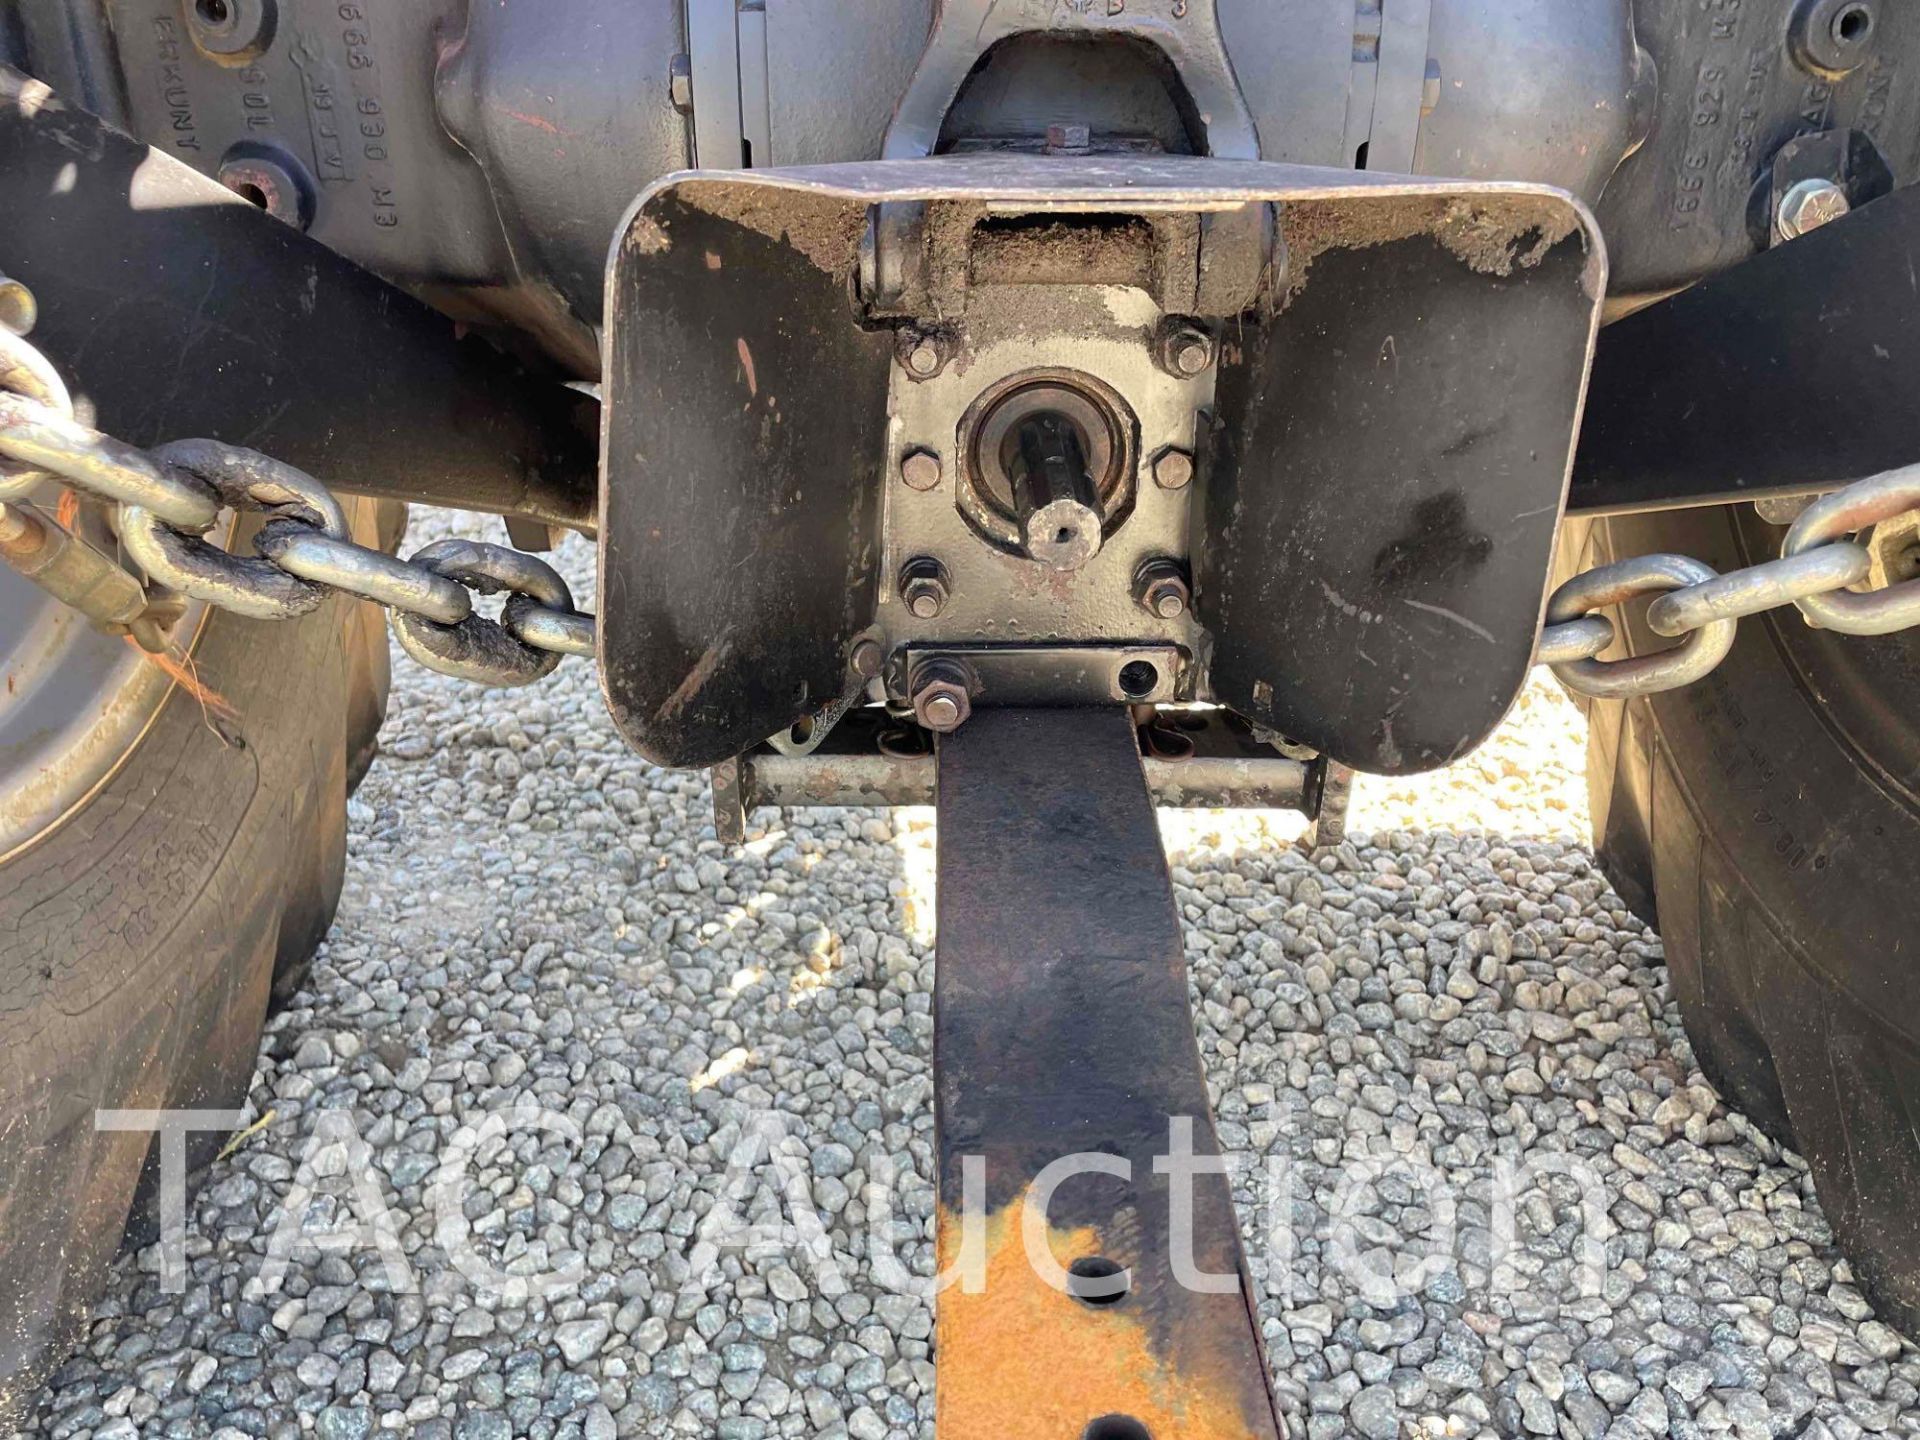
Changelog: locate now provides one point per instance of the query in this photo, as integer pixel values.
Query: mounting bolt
(1809, 204)
(865, 658)
(942, 695)
(923, 585)
(923, 357)
(1185, 350)
(680, 83)
(920, 470)
(1161, 588)
(1173, 469)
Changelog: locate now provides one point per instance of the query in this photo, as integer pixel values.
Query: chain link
(1819, 568)
(172, 495)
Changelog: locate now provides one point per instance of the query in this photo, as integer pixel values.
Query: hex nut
(1161, 589)
(923, 586)
(920, 470)
(942, 696)
(1185, 350)
(1809, 204)
(1173, 469)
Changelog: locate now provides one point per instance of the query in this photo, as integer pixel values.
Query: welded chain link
(170, 497)
(1820, 566)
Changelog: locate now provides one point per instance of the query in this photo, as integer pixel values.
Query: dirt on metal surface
(1491, 235)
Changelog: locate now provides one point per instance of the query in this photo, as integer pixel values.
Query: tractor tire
(1766, 821)
(144, 937)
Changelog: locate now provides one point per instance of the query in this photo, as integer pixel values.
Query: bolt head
(924, 358)
(1167, 599)
(1190, 353)
(942, 707)
(1809, 204)
(925, 600)
(865, 658)
(921, 470)
(1173, 469)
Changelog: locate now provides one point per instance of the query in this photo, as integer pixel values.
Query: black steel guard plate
(1062, 1027)
(1392, 443)
(176, 309)
(1789, 372)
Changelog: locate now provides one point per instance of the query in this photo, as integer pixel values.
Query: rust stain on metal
(746, 364)
(537, 121)
(1022, 1358)
(697, 678)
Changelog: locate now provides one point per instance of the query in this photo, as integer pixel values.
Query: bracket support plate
(1064, 1042)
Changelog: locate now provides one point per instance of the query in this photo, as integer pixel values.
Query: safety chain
(1818, 568)
(171, 496)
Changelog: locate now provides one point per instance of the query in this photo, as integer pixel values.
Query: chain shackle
(1825, 524)
(1623, 580)
(476, 647)
(242, 480)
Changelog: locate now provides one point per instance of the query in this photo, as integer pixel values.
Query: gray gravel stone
(532, 915)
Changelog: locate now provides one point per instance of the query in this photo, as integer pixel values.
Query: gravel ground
(533, 916)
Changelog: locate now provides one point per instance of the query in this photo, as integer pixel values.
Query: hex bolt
(920, 470)
(680, 83)
(1173, 469)
(942, 695)
(1185, 350)
(923, 585)
(1809, 204)
(923, 359)
(865, 658)
(1161, 588)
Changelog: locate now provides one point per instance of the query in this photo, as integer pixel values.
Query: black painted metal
(178, 310)
(1062, 1026)
(1793, 371)
(744, 443)
(1389, 460)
